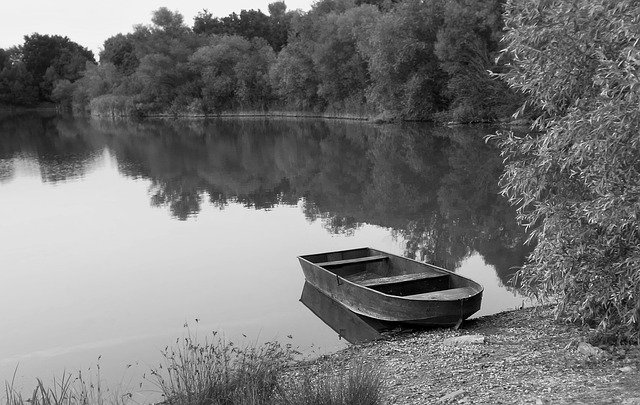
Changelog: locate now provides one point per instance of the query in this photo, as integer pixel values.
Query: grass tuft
(67, 390)
(357, 384)
(218, 372)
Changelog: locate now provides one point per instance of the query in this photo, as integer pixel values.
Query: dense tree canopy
(406, 59)
(29, 73)
(576, 180)
(248, 24)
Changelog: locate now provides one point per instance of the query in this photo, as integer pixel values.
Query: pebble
(590, 351)
(452, 395)
(464, 340)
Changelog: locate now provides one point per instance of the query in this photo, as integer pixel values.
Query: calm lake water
(113, 235)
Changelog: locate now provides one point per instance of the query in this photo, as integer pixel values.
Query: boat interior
(394, 275)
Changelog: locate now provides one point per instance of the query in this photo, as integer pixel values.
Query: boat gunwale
(408, 297)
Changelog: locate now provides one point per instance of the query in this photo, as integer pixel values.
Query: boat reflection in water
(352, 327)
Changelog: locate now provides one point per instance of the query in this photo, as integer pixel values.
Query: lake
(115, 234)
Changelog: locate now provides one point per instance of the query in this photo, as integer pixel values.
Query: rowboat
(392, 288)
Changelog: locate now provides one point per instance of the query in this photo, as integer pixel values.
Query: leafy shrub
(576, 178)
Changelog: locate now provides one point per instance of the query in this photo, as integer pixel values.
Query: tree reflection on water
(436, 187)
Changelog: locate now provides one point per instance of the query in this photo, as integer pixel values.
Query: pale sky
(89, 23)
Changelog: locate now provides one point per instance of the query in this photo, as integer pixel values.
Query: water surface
(113, 235)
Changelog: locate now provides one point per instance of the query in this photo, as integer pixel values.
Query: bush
(576, 178)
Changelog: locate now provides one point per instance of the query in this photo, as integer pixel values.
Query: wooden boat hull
(448, 297)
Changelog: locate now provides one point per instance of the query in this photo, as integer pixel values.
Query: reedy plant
(576, 178)
(357, 383)
(219, 372)
(69, 389)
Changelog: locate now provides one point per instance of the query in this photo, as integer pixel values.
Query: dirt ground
(517, 357)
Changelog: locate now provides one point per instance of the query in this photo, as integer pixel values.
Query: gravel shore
(517, 357)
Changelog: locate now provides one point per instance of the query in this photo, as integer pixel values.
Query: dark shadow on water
(348, 325)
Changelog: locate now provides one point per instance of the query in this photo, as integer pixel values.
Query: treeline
(408, 59)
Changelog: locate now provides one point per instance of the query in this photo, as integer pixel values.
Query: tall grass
(69, 389)
(356, 384)
(218, 372)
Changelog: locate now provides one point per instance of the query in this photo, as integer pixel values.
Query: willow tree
(576, 178)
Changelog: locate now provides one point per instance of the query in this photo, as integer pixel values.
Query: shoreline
(261, 114)
(373, 119)
(520, 356)
(526, 358)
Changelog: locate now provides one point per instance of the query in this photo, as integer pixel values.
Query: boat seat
(400, 279)
(445, 295)
(353, 261)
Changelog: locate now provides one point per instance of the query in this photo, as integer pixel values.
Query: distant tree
(384, 5)
(294, 78)
(467, 47)
(4, 59)
(120, 51)
(280, 22)
(168, 21)
(576, 179)
(233, 73)
(321, 7)
(96, 80)
(52, 58)
(205, 23)
(407, 81)
(157, 75)
(248, 24)
(277, 9)
(254, 24)
(342, 71)
(17, 86)
(166, 36)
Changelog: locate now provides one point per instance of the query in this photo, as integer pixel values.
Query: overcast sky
(89, 23)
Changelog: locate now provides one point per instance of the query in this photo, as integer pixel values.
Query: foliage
(219, 372)
(467, 47)
(407, 59)
(576, 179)
(357, 383)
(120, 51)
(233, 72)
(248, 24)
(17, 85)
(95, 82)
(342, 71)
(53, 58)
(406, 79)
(294, 78)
